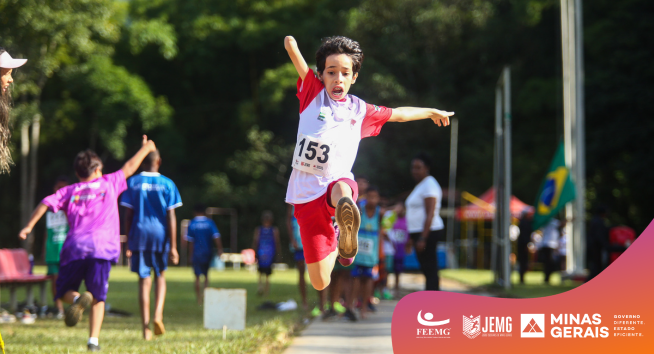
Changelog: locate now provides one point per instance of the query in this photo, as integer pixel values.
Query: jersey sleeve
(376, 117)
(190, 232)
(214, 230)
(118, 181)
(126, 199)
(174, 200)
(308, 89)
(59, 200)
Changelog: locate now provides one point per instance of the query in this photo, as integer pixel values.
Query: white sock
(75, 298)
(93, 341)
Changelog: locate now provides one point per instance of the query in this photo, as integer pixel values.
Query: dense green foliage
(211, 82)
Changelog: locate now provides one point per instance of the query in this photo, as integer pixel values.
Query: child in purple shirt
(93, 241)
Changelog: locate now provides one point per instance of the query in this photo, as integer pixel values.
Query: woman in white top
(7, 64)
(423, 220)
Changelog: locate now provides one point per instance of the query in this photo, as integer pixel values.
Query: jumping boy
(56, 228)
(332, 123)
(204, 235)
(151, 224)
(368, 256)
(93, 241)
(266, 243)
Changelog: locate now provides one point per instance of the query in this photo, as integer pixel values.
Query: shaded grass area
(183, 318)
(534, 283)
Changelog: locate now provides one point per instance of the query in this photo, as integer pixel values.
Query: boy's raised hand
(296, 57)
(441, 118)
(149, 143)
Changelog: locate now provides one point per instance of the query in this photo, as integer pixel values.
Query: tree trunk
(31, 196)
(24, 178)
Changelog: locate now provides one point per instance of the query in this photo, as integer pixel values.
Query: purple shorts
(94, 272)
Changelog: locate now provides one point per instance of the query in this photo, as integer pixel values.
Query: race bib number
(312, 155)
(366, 246)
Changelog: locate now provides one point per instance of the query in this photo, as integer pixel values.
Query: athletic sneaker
(93, 347)
(74, 312)
(348, 220)
(350, 316)
(329, 314)
(340, 309)
(315, 312)
(372, 307)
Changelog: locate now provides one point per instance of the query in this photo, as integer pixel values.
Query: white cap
(7, 62)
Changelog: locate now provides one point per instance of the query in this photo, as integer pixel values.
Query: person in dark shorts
(204, 235)
(151, 223)
(93, 242)
(266, 244)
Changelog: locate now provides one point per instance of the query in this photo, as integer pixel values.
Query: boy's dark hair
(339, 45)
(267, 215)
(200, 208)
(62, 178)
(86, 162)
(424, 158)
(372, 189)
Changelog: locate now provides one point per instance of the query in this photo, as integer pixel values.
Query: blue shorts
(94, 272)
(201, 266)
(144, 262)
(298, 255)
(361, 271)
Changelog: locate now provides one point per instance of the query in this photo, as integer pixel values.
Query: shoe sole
(74, 313)
(348, 220)
(159, 328)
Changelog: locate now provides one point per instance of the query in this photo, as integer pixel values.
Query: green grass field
(266, 331)
(534, 282)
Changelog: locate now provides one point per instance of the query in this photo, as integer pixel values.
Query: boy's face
(372, 198)
(338, 75)
(362, 184)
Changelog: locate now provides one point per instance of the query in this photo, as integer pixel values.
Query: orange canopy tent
(484, 207)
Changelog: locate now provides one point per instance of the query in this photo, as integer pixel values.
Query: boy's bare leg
(159, 301)
(206, 282)
(397, 285)
(303, 284)
(69, 296)
(96, 317)
(145, 285)
(197, 290)
(267, 286)
(340, 190)
(353, 294)
(366, 293)
(320, 272)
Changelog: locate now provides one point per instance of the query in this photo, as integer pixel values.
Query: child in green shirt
(56, 231)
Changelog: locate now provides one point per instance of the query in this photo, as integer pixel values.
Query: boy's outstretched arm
(296, 57)
(408, 114)
(133, 164)
(219, 246)
(36, 215)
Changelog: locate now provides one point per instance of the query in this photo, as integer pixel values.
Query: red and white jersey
(329, 133)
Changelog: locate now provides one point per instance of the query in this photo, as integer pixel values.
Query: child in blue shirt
(368, 256)
(204, 235)
(266, 244)
(151, 224)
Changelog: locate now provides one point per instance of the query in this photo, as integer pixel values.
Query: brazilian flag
(555, 192)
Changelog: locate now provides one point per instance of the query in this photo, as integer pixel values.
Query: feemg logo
(432, 332)
(532, 325)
